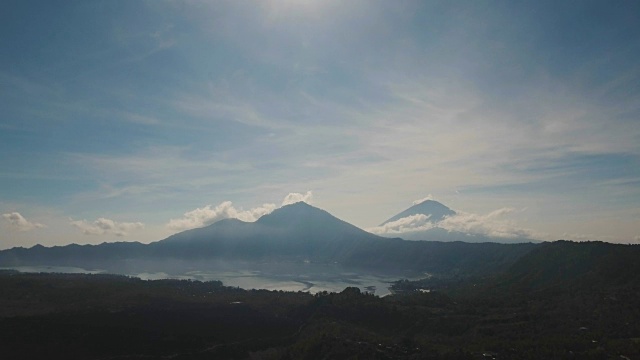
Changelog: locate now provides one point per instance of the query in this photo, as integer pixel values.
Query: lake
(311, 278)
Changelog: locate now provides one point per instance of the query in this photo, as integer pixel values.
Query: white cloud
(297, 197)
(492, 224)
(637, 238)
(208, 215)
(18, 222)
(104, 226)
(419, 222)
(428, 197)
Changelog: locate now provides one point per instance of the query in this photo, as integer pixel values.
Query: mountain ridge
(296, 233)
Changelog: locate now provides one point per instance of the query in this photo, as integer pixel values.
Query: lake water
(313, 280)
(52, 269)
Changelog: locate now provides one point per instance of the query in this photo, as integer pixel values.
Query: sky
(133, 120)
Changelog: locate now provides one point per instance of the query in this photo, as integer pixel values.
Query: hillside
(566, 264)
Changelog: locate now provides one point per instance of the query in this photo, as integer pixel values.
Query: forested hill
(566, 264)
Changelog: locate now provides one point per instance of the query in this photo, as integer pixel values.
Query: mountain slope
(297, 231)
(434, 209)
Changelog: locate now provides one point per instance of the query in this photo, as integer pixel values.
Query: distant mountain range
(296, 233)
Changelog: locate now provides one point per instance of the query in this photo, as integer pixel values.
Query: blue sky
(131, 120)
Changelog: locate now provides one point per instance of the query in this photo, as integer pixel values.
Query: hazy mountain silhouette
(296, 233)
(435, 210)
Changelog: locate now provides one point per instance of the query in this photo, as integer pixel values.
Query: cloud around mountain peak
(427, 214)
(209, 214)
(411, 223)
(415, 223)
(293, 198)
(419, 201)
(492, 224)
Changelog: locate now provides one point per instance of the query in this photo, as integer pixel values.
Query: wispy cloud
(492, 224)
(103, 226)
(349, 98)
(413, 223)
(19, 223)
(141, 119)
(157, 171)
(234, 109)
(155, 162)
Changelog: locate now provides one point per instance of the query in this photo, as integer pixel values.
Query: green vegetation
(561, 301)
